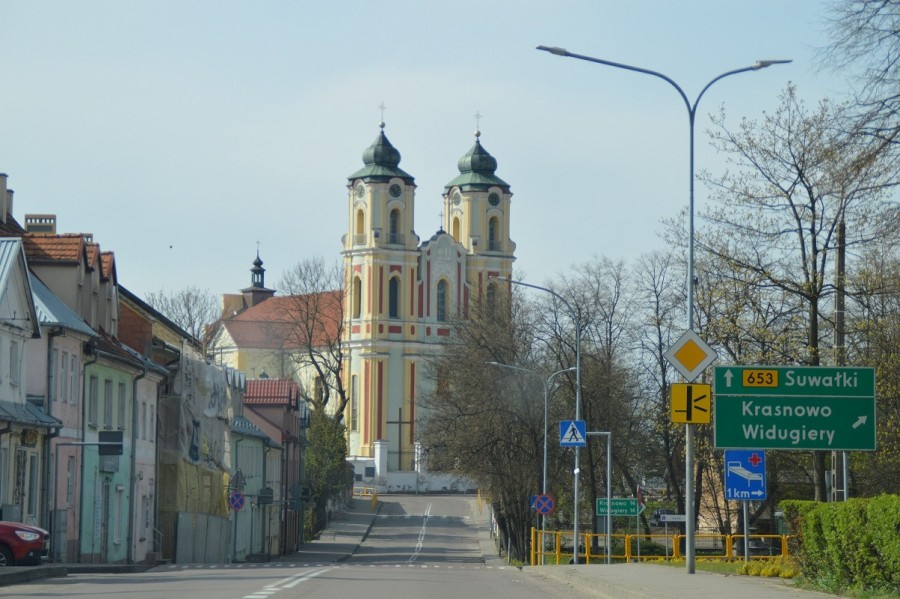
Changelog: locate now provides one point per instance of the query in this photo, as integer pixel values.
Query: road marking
(421, 539)
(285, 583)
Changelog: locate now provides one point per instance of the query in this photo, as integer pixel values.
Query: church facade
(402, 294)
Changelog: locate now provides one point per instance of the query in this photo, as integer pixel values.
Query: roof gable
(17, 306)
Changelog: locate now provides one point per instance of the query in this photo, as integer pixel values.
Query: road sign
(745, 474)
(110, 443)
(670, 518)
(236, 500)
(691, 403)
(619, 506)
(690, 355)
(544, 504)
(572, 433)
(794, 407)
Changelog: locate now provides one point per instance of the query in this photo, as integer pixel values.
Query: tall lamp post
(546, 383)
(692, 112)
(575, 315)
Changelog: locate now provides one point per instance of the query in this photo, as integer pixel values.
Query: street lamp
(692, 112)
(546, 383)
(575, 315)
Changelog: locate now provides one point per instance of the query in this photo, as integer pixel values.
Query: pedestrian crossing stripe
(572, 433)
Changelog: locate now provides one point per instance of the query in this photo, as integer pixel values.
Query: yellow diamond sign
(690, 355)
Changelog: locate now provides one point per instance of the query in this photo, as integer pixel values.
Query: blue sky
(181, 133)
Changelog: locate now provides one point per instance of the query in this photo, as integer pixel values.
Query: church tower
(476, 209)
(380, 259)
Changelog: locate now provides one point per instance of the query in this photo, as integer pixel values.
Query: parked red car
(21, 545)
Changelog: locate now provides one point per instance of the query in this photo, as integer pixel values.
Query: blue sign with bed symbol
(745, 474)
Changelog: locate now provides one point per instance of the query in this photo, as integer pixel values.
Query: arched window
(394, 297)
(442, 300)
(394, 232)
(356, 297)
(493, 234)
(491, 297)
(360, 222)
(455, 230)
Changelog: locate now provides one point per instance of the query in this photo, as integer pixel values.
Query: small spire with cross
(441, 221)
(477, 124)
(381, 107)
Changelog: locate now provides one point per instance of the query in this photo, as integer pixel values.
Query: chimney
(5, 200)
(41, 223)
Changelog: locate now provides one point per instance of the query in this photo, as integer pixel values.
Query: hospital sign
(794, 407)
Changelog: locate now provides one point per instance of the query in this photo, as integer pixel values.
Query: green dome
(476, 170)
(381, 161)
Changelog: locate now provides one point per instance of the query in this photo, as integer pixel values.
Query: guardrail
(556, 547)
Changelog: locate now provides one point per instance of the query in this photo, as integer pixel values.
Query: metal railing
(556, 547)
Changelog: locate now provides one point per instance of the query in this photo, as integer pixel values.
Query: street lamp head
(761, 64)
(554, 50)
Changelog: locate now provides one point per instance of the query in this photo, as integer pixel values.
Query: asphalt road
(418, 547)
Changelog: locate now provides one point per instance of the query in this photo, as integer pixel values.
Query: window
(107, 404)
(360, 222)
(491, 298)
(33, 481)
(145, 517)
(455, 229)
(394, 298)
(70, 480)
(119, 515)
(94, 401)
(73, 371)
(442, 301)
(354, 402)
(14, 373)
(394, 231)
(357, 297)
(493, 234)
(122, 410)
(63, 377)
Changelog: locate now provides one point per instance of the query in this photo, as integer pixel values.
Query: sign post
(794, 407)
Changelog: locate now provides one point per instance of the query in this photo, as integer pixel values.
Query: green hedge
(850, 544)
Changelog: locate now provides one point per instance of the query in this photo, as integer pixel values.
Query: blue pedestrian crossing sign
(572, 433)
(745, 474)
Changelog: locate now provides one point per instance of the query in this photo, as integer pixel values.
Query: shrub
(851, 544)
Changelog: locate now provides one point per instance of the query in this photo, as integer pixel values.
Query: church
(400, 297)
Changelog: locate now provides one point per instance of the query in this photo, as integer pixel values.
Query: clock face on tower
(395, 190)
(360, 190)
(493, 199)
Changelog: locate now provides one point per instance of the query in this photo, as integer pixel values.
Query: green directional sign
(787, 407)
(619, 506)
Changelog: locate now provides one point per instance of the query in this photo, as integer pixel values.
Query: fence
(556, 547)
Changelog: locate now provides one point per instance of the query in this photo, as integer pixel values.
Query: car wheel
(6, 558)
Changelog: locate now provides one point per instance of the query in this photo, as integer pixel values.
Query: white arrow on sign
(757, 493)
(860, 421)
(728, 376)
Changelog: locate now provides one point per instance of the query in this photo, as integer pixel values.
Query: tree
(486, 423)
(325, 462)
(866, 34)
(797, 175)
(191, 308)
(313, 307)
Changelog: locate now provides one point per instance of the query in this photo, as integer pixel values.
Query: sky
(186, 134)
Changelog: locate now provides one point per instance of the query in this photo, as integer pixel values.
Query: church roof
(277, 323)
(476, 170)
(382, 162)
